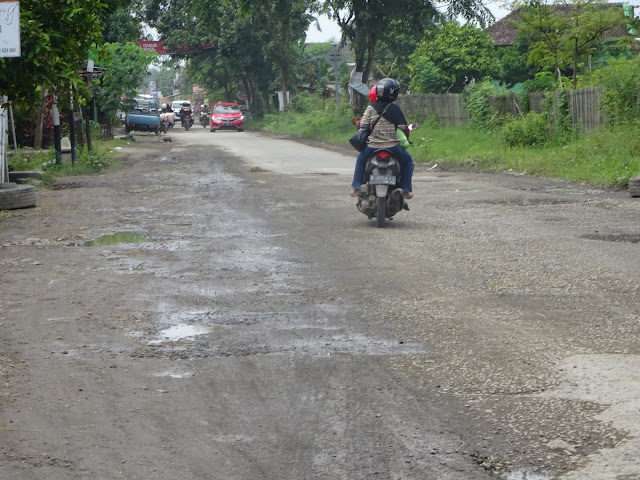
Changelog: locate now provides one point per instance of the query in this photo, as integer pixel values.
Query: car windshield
(227, 109)
(144, 106)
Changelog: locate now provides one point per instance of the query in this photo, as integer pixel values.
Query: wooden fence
(584, 106)
(449, 110)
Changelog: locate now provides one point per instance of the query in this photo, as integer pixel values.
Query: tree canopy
(55, 37)
(563, 34)
(455, 56)
(365, 22)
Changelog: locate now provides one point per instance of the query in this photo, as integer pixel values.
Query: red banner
(152, 45)
(162, 50)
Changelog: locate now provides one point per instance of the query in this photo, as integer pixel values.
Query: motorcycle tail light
(382, 170)
(383, 155)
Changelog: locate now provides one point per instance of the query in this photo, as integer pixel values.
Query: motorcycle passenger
(384, 135)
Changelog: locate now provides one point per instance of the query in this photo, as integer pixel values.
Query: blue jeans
(406, 166)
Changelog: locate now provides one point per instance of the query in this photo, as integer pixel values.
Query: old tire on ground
(381, 211)
(17, 196)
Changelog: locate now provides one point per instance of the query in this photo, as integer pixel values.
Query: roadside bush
(530, 130)
(476, 100)
(305, 102)
(620, 80)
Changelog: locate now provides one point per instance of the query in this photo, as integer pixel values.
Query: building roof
(504, 32)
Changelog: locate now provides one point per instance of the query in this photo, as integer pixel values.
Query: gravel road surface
(217, 308)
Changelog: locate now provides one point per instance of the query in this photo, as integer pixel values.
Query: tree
(121, 27)
(125, 67)
(364, 22)
(285, 22)
(252, 41)
(565, 33)
(55, 39)
(514, 67)
(459, 54)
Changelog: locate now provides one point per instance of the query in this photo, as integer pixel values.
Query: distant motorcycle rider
(384, 135)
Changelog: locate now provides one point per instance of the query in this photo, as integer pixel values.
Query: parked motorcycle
(186, 115)
(380, 195)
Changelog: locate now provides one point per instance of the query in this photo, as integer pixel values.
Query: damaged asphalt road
(237, 318)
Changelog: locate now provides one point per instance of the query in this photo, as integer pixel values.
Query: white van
(176, 106)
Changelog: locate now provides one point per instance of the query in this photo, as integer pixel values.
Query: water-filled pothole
(116, 239)
(179, 332)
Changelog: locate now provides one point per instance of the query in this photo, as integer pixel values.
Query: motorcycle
(380, 195)
(167, 119)
(187, 118)
(204, 119)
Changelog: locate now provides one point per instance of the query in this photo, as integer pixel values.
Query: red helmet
(372, 94)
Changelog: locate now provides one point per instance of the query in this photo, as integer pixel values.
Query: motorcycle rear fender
(381, 190)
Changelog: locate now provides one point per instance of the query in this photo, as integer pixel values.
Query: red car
(227, 115)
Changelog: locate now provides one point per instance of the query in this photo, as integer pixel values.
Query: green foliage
(459, 55)
(426, 77)
(513, 63)
(476, 100)
(54, 35)
(320, 122)
(27, 159)
(364, 24)
(126, 65)
(563, 38)
(101, 158)
(305, 102)
(530, 130)
(121, 27)
(621, 83)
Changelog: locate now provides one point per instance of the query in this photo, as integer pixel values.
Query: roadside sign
(334, 58)
(242, 95)
(9, 28)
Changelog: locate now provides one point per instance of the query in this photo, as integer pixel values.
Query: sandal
(407, 195)
(355, 193)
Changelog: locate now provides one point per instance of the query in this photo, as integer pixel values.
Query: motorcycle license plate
(382, 180)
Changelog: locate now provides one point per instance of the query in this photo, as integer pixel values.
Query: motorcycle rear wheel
(381, 211)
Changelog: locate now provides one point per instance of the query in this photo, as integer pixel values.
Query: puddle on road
(180, 332)
(174, 374)
(116, 239)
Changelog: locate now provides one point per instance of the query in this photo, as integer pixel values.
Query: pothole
(180, 332)
(116, 239)
(613, 237)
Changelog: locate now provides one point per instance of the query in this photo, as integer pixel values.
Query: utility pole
(72, 128)
(56, 128)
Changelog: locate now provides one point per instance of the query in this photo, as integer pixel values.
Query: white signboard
(9, 28)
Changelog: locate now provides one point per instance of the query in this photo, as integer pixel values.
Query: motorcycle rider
(184, 111)
(384, 135)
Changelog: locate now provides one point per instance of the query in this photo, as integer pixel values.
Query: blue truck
(143, 115)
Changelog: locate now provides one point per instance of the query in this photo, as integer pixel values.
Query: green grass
(606, 158)
(103, 156)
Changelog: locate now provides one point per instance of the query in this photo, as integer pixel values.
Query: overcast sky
(331, 31)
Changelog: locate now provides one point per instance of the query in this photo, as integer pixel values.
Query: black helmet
(387, 89)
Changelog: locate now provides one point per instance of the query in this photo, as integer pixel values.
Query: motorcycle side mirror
(414, 126)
